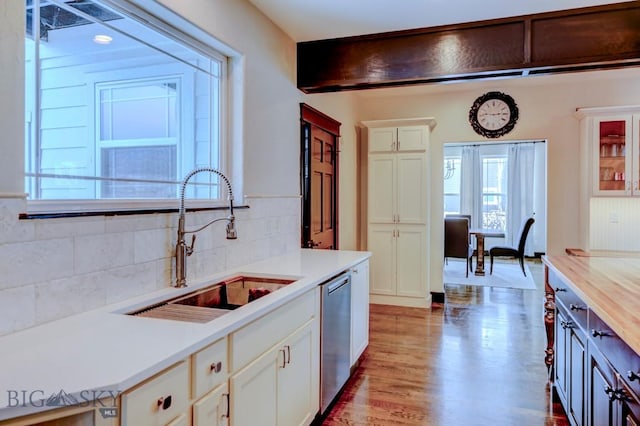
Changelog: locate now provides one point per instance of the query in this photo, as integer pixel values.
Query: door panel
(323, 189)
(411, 260)
(412, 138)
(412, 188)
(383, 262)
(382, 188)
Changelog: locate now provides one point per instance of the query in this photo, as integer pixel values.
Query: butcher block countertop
(610, 286)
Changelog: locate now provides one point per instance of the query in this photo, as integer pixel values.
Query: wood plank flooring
(476, 360)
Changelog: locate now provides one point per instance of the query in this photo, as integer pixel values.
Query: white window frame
(231, 115)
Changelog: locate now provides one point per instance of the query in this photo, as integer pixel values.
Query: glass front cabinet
(611, 144)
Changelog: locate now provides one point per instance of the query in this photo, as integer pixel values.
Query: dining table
(481, 234)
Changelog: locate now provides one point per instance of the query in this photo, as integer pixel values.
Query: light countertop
(106, 350)
(610, 286)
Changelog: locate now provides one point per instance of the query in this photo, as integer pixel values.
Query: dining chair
(513, 252)
(457, 242)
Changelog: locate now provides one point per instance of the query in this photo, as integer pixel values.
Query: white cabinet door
(383, 139)
(359, 310)
(382, 188)
(411, 188)
(412, 138)
(411, 258)
(382, 243)
(254, 391)
(213, 408)
(299, 377)
(282, 386)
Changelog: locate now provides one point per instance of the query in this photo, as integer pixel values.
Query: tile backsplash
(53, 268)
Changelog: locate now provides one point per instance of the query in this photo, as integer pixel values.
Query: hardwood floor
(476, 360)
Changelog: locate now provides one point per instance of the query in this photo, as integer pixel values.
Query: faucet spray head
(231, 228)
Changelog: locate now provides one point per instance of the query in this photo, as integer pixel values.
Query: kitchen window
(119, 107)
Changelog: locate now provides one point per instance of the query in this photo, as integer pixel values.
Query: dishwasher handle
(335, 286)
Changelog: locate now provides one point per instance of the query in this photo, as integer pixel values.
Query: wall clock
(493, 114)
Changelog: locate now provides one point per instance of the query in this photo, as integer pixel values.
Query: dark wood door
(323, 199)
(319, 179)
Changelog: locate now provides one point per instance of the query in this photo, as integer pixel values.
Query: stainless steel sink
(215, 300)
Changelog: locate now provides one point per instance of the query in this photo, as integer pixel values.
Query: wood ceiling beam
(597, 37)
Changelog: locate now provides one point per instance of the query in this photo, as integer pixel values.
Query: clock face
(493, 114)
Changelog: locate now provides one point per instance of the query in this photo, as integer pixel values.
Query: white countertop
(106, 350)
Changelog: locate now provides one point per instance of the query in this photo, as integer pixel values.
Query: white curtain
(471, 185)
(520, 192)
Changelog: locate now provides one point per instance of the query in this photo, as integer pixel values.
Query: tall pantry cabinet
(397, 209)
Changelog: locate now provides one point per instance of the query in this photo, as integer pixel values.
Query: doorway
(499, 184)
(319, 135)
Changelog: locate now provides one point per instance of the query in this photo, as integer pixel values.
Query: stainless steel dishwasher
(335, 338)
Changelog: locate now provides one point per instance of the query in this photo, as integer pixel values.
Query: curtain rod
(453, 144)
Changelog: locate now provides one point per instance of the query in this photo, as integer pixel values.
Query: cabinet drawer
(576, 308)
(619, 354)
(209, 368)
(159, 400)
(256, 338)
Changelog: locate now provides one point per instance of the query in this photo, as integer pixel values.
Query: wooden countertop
(610, 286)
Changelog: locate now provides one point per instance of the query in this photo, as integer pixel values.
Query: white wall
(51, 268)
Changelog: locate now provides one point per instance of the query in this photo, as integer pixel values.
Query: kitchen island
(98, 357)
(592, 318)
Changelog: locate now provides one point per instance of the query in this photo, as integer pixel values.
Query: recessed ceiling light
(102, 39)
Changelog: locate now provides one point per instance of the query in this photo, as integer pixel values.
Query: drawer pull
(226, 395)
(632, 375)
(288, 354)
(599, 333)
(610, 393)
(577, 307)
(284, 358)
(567, 324)
(164, 402)
(560, 289)
(216, 367)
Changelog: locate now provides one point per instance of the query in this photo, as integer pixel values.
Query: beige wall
(546, 105)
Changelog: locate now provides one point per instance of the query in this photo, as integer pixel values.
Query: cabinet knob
(577, 307)
(216, 367)
(632, 376)
(610, 392)
(164, 402)
(560, 289)
(566, 324)
(599, 333)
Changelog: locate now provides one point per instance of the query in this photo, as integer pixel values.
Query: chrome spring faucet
(182, 249)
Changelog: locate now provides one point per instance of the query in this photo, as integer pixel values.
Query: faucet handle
(190, 248)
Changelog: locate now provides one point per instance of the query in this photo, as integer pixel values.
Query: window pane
(494, 191)
(148, 163)
(97, 107)
(142, 111)
(451, 169)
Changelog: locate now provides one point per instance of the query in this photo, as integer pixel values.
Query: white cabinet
(276, 366)
(397, 188)
(398, 209)
(408, 138)
(398, 263)
(281, 386)
(159, 400)
(213, 408)
(611, 146)
(359, 310)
